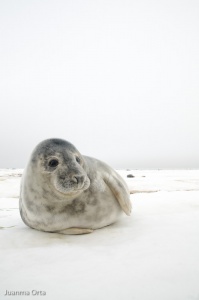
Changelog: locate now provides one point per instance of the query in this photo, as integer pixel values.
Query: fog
(118, 79)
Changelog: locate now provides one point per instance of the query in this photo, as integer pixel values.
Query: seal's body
(63, 191)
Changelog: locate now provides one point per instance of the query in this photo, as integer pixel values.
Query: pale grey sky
(118, 79)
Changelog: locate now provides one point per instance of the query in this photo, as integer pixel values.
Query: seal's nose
(78, 178)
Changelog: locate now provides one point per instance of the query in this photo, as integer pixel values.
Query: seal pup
(65, 192)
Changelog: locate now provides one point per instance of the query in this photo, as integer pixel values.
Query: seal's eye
(53, 163)
(78, 159)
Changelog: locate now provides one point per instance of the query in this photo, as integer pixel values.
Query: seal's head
(59, 164)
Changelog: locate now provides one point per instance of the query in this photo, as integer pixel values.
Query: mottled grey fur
(77, 196)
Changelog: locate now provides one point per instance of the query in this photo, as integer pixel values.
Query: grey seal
(65, 192)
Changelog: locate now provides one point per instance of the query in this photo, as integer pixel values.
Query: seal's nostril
(78, 179)
(75, 178)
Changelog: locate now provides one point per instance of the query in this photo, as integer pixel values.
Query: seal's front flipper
(75, 231)
(120, 190)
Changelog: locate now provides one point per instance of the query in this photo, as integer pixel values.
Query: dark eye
(53, 163)
(78, 159)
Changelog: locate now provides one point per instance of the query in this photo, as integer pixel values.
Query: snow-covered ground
(154, 254)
